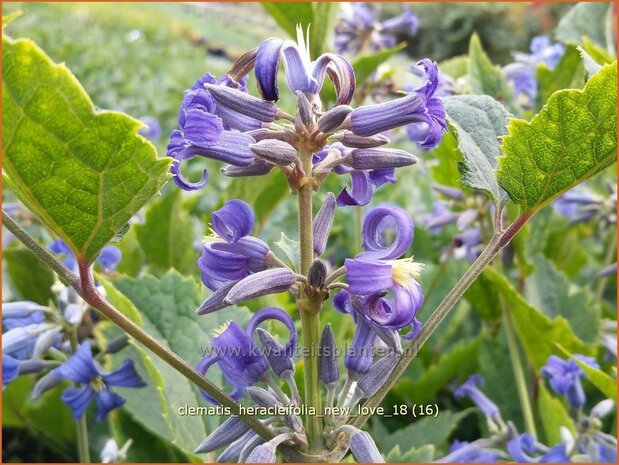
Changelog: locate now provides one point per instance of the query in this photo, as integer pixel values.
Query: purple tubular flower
(238, 357)
(468, 244)
(364, 448)
(360, 355)
(267, 66)
(465, 452)
(274, 352)
(360, 193)
(440, 217)
(366, 277)
(451, 192)
(151, 129)
(322, 224)
(243, 103)
(10, 369)
(109, 257)
(233, 221)
(374, 224)
(370, 159)
(21, 309)
(469, 389)
(277, 314)
(419, 106)
(229, 431)
(407, 21)
(522, 447)
(381, 176)
(564, 377)
(262, 283)
(82, 368)
(232, 147)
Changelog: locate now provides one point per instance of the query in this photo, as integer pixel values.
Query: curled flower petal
(274, 313)
(360, 193)
(233, 221)
(375, 222)
(179, 179)
(367, 277)
(267, 66)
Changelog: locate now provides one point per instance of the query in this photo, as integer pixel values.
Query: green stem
(498, 242)
(521, 382)
(85, 287)
(83, 448)
(611, 255)
(309, 310)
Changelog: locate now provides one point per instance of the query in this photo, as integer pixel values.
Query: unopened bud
(376, 377)
(262, 283)
(274, 352)
(249, 446)
(216, 301)
(264, 453)
(322, 224)
(317, 274)
(262, 397)
(275, 151)
(352, 140)
(19, 309)
(371, 159)
(603, 408)
(243, 103)
(448, 191)
(364, 448)
(47, 382)
(45, 341)
(34, 366)
(305, 109)
(257, 168)
(333, 119)
(230, 430)
(265, 133)
(233, 451)
(329, 370)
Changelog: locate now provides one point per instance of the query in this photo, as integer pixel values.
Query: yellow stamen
(217, 331)
(97, 384)
(402, 271)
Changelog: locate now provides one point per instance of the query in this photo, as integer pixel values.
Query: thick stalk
(310, 318)
(498, 242)
(83, 447)
(521, 382)
(84, 286)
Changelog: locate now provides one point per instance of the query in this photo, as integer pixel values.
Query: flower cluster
(360, 28)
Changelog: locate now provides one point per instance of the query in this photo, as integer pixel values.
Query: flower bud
(262, 283)
(243, 103)
(275, 151)
(45, 341)
(47, 382)
(350, 139)
(262, 397)
(216, 301)
(19, 309)
(264, 133)
(371, 159)
(230, 430)
(305, 109)
(376, 377)
(233, 451)
(264, 453)
(34, 366)
(274, 352)
(257, 168)
(603, 408)
(322, 224)
(249, 446)
(317, 274)
(329, 370)
(364, 448)
(451, 192)
(333, 119)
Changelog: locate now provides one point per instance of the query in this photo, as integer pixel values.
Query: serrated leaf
(553, 415)
(573, 138)
(479, 121)
(83, 172)
(166, 236)
(30, 277)
(585, 19)
(291, 250)
(602, 381)
(487, 79)
(538, 333)
(568, 74)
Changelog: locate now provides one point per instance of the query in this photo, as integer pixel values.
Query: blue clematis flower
(469, 389)
(109, 257)
(418, 106)
(564, 377)
(10, 369)
(233, 221)
(83, 369)
(470, 452)
(523, 447)
(239, 358)
(302, 74)
(391, 294)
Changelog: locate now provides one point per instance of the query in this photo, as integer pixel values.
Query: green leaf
(291, 250)
(30, 277)
(573, 138)
(486, 78)
(324, 18)
(568, 74)
(455, 67)
(10, 17)
(288, 15)
(479, 121)
(132, 253)
(585, 19)
(427, 430)
(484, 299)
(424, 454)
(553, 415)
(166, 237)
(365, 65)
(606, 384)
(538, 333)
(83, 172)
(119, 300)
(599, 54)
(549, 290)
(445, 169)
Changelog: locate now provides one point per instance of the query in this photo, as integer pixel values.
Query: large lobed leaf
(479, 121)
(573, 138)
(83, 172)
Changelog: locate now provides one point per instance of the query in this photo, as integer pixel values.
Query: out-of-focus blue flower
(523, 448)
(467, 452)
(522, 73)
(109, 257)
(302, 74)
(83, 369)
(418, 106)
(564, 377)
(151, 129)
(468, 244)
(440, 217)
(10, 369)
(240, 360)
(469, 389)
(360, 27)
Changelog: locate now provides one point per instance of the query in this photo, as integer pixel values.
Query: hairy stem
(310, 319)
(498, 242)
(85, 287)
